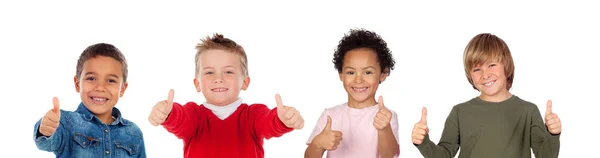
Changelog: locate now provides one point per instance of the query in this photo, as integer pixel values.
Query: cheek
(475, 77)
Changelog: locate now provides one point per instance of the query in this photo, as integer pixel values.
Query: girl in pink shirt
(360, 127)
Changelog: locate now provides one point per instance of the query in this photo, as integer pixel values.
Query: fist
(161, 110)
(328, 139)
(383, 117)
(51, 120)
(552, 120)
(289, 115)
(420, 129)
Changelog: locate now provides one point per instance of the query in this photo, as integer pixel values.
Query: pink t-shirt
(359, 136)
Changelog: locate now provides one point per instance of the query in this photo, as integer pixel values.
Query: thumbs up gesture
(289, 115)
(383, 117)
(420, 129)
(51, 120)
(328, 139)
(161, 110)
(552, 120)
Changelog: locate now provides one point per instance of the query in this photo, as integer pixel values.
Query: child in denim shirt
(96, 128)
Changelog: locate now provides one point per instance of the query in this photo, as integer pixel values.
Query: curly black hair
(361, 38)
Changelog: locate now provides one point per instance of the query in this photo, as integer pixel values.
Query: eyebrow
(93, 73)
(209, 67)
(347, 67)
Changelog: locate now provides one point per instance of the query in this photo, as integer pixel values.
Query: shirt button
(107, 152)
(106, 130)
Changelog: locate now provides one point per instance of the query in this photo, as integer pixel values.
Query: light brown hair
(217, 41)
(486, 47)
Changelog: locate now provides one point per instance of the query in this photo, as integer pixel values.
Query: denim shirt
(81, 134)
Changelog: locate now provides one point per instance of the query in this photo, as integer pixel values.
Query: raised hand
(51, 120)
(420, 129)
(552, 120)
(383, 117)
(328, 139)
(289, 115)
(161, 110)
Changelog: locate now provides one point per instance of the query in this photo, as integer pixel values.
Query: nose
(219, 78)
(100, 87)
(358, 78)
(486, 73)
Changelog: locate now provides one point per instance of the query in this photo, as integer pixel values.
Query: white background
(290, 47)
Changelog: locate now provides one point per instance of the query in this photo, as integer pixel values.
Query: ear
(341, 77)
(383, 76)
(197, 85)
(123, 88)
(246, 83)
(76, 82)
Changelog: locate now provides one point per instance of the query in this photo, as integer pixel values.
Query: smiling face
(361, 75)
(489, 67)
(220, 77)
(490, 79)
(101, 85)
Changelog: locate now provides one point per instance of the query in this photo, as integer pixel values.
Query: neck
(501, 96)
(361, 104)
(106, 118)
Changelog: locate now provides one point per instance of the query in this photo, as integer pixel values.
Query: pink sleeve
(319, 126)
(394, 125)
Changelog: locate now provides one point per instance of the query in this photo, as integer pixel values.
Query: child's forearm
(312, 151)
(387, 143)
(48, 143)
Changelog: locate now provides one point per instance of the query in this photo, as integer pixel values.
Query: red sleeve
(184, 121)
(266, 122)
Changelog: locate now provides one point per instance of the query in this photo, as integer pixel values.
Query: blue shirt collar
(87, 114)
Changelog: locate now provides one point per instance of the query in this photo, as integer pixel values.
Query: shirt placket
(106, 140)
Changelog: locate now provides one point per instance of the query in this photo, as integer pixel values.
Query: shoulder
(188, 104)
(70, 115)
(132, 128)
(335, 110)
(526, 105)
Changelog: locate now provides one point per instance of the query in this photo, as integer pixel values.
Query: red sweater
(239, 135)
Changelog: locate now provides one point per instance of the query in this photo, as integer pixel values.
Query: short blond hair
(217, 41)
(487, 47)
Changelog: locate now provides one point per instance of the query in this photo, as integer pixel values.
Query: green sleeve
(449, 143)
(543, 143)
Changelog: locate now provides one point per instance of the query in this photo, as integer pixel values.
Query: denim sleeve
(142, 149)
(54, 143)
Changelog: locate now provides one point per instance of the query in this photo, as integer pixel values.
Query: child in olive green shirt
(496, 123)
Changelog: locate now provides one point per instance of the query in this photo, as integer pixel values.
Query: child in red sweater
(223, 126)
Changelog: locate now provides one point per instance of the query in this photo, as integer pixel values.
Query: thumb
(380, 102)
(424, 115)
(328, 125)
(56, 105)
(549, 107)
(279, 102)
(170, 98)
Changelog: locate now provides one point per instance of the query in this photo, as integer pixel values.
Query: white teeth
(219, 89)
(99, 99)
(359, 89)
(488, 84)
